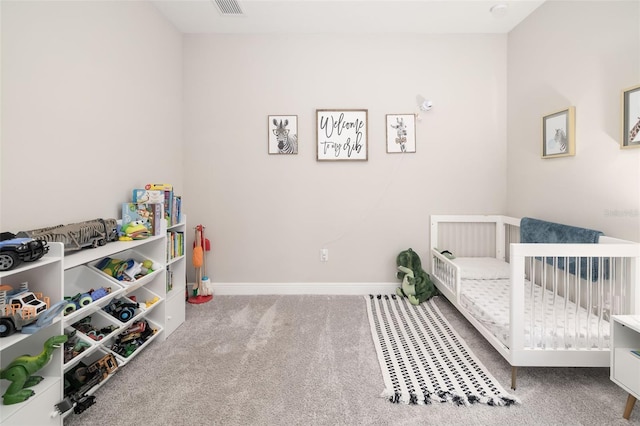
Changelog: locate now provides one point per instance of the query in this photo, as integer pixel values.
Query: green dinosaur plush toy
(416, 283)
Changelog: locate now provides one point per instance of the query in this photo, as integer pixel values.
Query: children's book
(149, 214)
(147, 196)
(169, 279)
(168, 199)
(177, 209)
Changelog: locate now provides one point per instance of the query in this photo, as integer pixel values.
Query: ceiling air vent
(228, 7)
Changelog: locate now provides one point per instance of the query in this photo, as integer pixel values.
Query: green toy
(20, 371)
(416, 283)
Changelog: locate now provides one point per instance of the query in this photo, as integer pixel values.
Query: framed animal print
(630, 118)
(558, 133)
(401, 133)
(283, 134)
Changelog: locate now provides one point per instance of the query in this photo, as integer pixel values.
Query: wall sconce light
(424, 105)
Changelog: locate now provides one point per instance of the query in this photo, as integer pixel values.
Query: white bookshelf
(60, 275)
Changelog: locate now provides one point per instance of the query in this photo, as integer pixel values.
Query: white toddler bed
(538, 304)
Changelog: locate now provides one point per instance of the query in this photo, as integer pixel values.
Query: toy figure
(19, 372)
(416, 283)
(134, 231)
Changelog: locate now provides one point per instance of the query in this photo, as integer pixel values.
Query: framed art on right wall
(630, 118)
(558, 133)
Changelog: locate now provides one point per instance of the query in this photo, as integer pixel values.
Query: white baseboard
(302, 288)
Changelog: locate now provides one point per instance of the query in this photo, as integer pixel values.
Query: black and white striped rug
(422, 358)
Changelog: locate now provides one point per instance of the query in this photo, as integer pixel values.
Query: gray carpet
(293, 360)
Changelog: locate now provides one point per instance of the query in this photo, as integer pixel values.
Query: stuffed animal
(135, 230)
(416, 283)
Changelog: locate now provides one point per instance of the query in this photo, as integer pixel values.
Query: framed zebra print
(630, 118)
(558, 133)
(342, 134)
(283, 134)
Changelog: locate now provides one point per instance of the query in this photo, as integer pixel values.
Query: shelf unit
(625, 365)
(157, 303)
(45, 276)
(176, 270)
(159, 294)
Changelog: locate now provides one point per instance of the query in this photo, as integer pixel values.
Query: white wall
(268, 215)
(582, 54)
(91, 108)
(92, 98)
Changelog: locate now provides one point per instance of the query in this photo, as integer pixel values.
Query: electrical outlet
(324, 255)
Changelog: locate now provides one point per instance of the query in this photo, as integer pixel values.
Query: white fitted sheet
(488, 301)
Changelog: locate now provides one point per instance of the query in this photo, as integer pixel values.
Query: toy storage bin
(78, 339)
(127, 281)
(145, 297)
(122, 311)
(128, 356)
(97, 326)
(101, 356)
(80, 281)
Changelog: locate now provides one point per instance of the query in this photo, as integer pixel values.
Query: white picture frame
(401, 133)
(283, 134)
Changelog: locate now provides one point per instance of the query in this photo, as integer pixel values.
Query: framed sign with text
(341, 134)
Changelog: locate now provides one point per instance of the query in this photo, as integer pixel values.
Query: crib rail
(568, 293)
(448, 275)
(476, 235)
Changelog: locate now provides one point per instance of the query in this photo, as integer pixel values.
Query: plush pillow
(482, 268)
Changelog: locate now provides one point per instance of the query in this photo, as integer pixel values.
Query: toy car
(81, 300)
(14, 251)
(18, 309)
(121, 310)
(78, 301)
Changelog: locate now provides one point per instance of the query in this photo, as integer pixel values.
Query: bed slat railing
(469, 236)
(571, 291)
(447, 273)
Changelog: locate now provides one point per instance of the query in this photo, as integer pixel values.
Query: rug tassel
(510, 400)
(458, 400)
(473, 399)
(425, 397)
(391, 395)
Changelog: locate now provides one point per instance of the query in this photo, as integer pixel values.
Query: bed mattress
(565, 324)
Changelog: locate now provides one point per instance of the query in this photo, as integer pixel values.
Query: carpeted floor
(293, 360)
